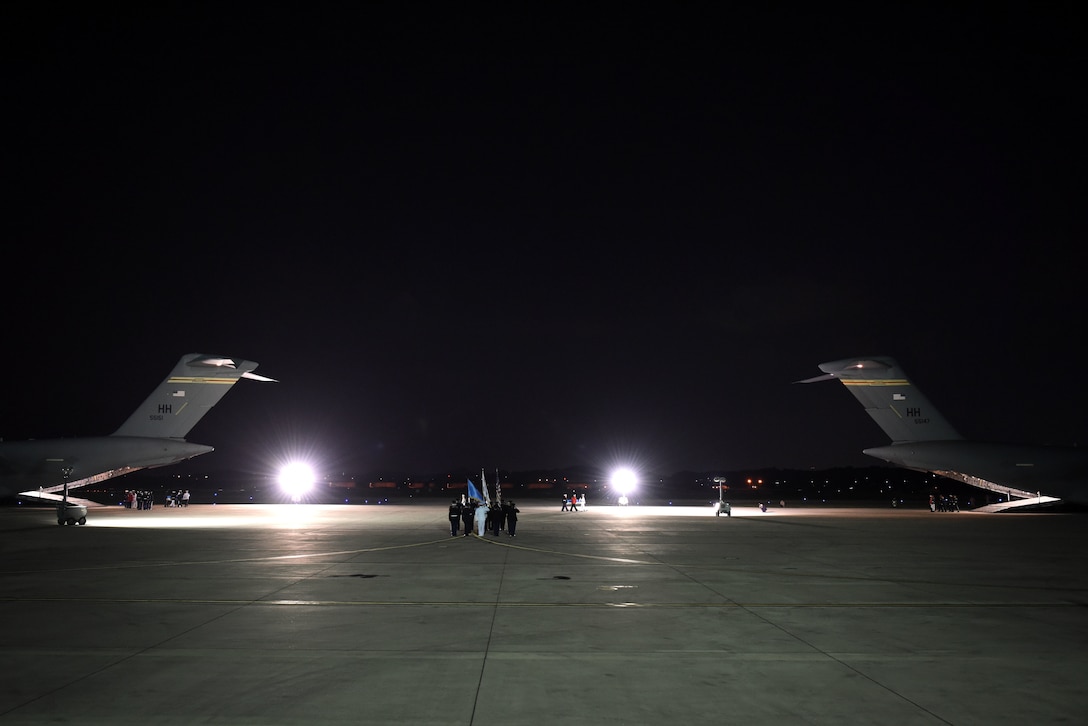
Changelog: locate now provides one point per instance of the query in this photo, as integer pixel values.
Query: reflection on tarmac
(338, 614)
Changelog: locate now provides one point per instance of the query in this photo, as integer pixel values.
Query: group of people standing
(143, 499)
(494, 518)
(574, 503)
(944, 503)
(138, 499)
(178, 498)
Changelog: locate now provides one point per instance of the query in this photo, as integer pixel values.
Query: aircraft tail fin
(196, 384)
(889, 398)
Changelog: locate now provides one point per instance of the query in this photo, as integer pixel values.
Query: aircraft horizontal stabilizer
(196, 384)
(889, 398)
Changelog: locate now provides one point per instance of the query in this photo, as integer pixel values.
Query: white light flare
(624, 481)
(297, 479)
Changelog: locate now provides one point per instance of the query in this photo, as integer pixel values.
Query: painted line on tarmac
(334, 553)
(187, 563)
(511, 545)
(588, 605)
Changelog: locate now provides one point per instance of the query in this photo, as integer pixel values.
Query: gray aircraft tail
(894, 403)
(196, 384)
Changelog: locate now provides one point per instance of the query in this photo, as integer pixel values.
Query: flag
(498, 488)
(473, 492)
(483, 483)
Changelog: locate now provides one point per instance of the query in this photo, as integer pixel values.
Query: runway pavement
(285, 614)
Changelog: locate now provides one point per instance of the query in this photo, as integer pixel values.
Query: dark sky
(546, 236)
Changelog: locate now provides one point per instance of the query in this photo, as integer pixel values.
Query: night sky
(535, 238)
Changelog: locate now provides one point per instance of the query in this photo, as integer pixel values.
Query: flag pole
(483, 483)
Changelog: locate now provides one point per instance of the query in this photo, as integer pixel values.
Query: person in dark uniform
(498, 518)
(565, 502)
(468, 511)
(455, 518)
(511, 517)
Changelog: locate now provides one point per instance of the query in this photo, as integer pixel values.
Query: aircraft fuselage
(1059, 471)
(47, 463)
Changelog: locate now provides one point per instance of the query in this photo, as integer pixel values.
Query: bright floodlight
(623, 481)
(296, 479)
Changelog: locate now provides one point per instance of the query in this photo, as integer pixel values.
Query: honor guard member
(481, 519)
(467, 510)
(511, 517)
(455, 518)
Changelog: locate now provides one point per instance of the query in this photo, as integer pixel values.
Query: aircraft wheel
(70, 521)
(60, 522)
(83, 520)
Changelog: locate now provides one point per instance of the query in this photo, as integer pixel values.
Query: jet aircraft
(153, 436)
(924, 441)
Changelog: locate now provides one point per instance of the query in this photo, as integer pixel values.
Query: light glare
(296, 479)
(624, 480)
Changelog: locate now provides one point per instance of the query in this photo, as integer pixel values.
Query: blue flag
(473, 492)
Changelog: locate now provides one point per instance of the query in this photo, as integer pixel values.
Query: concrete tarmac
(315, 614)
